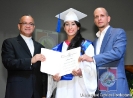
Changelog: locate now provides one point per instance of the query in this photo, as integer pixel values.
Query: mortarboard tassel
(58, 25)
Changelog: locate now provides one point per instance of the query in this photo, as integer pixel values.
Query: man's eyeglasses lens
(26, 24)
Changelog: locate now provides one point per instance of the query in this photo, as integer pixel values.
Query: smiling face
(101, 18)
(26, 26)
(71, 28)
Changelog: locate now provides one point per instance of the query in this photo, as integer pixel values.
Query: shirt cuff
(94, 60)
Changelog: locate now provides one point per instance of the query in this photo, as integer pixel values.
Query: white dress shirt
(100, 36)
(29, 43)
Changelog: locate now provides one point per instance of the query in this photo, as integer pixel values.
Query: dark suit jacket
(24, 79)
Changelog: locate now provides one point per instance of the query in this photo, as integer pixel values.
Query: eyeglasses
(26, 24)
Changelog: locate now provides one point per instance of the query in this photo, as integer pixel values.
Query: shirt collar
(25, 37)
(98, 34)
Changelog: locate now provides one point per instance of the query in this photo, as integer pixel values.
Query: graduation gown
(78, 87)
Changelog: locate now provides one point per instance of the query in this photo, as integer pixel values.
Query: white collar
(98, 34)
(25, 37)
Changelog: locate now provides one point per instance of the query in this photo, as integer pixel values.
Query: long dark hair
(77, 40)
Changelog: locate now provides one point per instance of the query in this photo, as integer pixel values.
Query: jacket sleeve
(9, 59)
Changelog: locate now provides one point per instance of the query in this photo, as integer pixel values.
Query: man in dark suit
(21, 57)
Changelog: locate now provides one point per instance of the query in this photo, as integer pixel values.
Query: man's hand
(85, 58)
(38, 57)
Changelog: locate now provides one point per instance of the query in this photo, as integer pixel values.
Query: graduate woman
(81, 82)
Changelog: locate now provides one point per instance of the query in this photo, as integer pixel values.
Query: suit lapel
(35, 47)
(23, 44)
(94, 44)
(105, 39)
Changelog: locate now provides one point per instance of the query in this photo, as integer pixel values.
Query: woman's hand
(56, 77)
(77, 72)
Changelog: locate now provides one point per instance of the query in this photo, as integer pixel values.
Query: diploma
(60, 62)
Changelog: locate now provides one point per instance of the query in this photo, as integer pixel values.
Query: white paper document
(60, 62)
